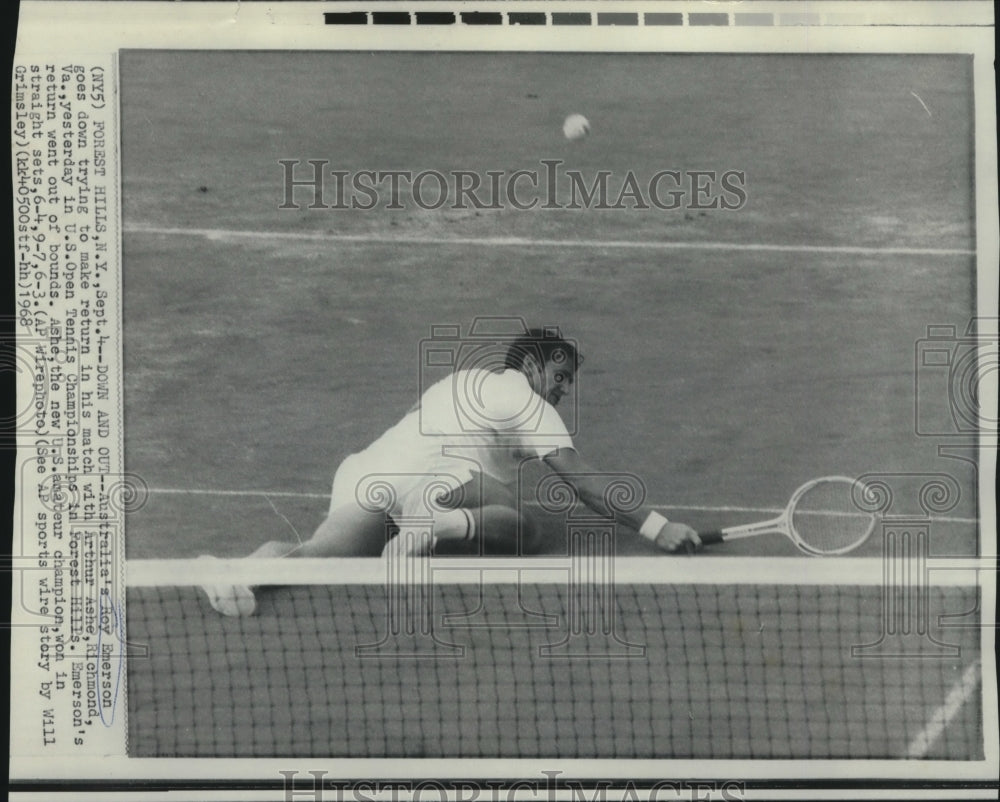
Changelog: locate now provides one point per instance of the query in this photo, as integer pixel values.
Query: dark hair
(544, 345)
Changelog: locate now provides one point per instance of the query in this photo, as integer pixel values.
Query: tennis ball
(576, 126)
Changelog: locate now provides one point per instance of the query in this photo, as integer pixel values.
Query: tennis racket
(825, 517)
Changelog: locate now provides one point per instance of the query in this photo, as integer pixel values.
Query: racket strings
(825, 519)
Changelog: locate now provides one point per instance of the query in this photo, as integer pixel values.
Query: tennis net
(526, 658)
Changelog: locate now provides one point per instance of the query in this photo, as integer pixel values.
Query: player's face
(554, 381)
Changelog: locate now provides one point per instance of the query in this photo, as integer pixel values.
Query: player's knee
(481, 491)
(530, 539)
(492, 529)
(506, 531)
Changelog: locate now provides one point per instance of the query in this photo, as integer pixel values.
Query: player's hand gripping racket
(825, 517)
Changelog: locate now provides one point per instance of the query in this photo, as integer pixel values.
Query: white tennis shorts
(366, 482)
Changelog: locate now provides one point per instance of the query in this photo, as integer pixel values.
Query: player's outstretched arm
(590, 487)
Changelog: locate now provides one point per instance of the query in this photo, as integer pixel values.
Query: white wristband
(652, 525)
(470, 524)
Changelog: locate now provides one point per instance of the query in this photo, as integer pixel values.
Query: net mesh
(827, 518)
(545, 670)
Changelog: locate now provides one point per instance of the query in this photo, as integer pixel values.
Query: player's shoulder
(498, 395)
(499, 379)
(505, 383)
(508, 378)
(480, 386)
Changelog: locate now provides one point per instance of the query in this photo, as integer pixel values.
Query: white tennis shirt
(470, 418)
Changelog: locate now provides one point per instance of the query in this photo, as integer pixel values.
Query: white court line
(957, 697)
(268, 494)
(507, 242)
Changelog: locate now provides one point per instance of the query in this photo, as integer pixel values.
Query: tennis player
(454, 459)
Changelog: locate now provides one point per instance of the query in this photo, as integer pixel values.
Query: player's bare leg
(500, 529)
(493, 529)
(347, 532)
(500, 526)
(484, 519)
(481, 517)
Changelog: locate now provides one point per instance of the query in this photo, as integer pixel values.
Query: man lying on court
(455, 458)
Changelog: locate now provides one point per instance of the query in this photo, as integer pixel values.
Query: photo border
(48, 28)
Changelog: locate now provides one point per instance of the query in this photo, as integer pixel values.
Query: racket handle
(714, 536)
